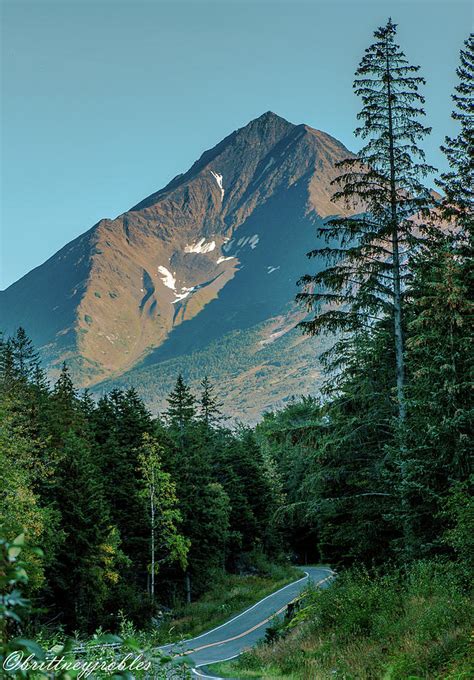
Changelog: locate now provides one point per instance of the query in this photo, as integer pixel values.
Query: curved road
(245, 630)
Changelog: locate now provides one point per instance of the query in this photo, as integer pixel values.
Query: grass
(414, 624)
(242, 669)
(228, 595)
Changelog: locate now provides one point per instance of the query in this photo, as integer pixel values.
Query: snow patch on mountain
(183, 294)
(218, 177)
(200, 247)
(170, 282)
(167, 277)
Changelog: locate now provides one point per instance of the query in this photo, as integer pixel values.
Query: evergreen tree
(23, 381)
(82, 572)
(438, 342)
(65, 414)
(440, 413)
(119, 424)
(9, 375)
(210, 407)
(87, 405)
(292, 437)
(203, 502)
(181, 409)
(21, 506)
(458, 182)
(246, 478)
(25, 357)
(348, 489)
(368, 252)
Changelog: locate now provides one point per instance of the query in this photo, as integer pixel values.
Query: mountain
(200, 276)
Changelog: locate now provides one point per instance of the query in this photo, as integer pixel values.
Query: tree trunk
(397, 297)
(187, 582)
(152, 513)
(398, 333)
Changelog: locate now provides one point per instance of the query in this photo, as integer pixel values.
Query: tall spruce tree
(209, 406)
(21, 506)
(367, 252)
(458, 182)
(348, 488)
(25, 357)
(8, 372)
(119, 423)
(440, 413)
(181, 405)
(203, 504)
(246, 477)
(439, 334)
(24, 381)
(291, 438)
(82, 572)
(65, 414)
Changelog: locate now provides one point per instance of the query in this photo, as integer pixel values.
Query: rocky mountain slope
(204, 268)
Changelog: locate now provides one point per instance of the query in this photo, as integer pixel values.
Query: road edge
(195, 670)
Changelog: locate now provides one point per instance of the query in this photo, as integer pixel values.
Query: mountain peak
(270, 116)
(268, 121)
(258, 136)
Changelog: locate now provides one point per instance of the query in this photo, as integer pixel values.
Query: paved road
(243, 631)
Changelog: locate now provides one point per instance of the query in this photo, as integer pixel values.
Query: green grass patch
(246, 667)
(229, 595)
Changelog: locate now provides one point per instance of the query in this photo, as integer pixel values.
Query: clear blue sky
(105, 101)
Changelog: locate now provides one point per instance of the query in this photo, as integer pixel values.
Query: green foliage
(14, 611)
(121, 502)
(159, 494)
(458, 513)
(382, 470)
(13, 605)
(458, 182)
(439, 361)
(117, 426)
(209, 406)
(290, 437)
(84, 564)
(401, 288)
(20, 506)
(21, 657)
(181, 409)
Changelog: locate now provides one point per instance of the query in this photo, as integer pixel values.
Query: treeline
(131, 512)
